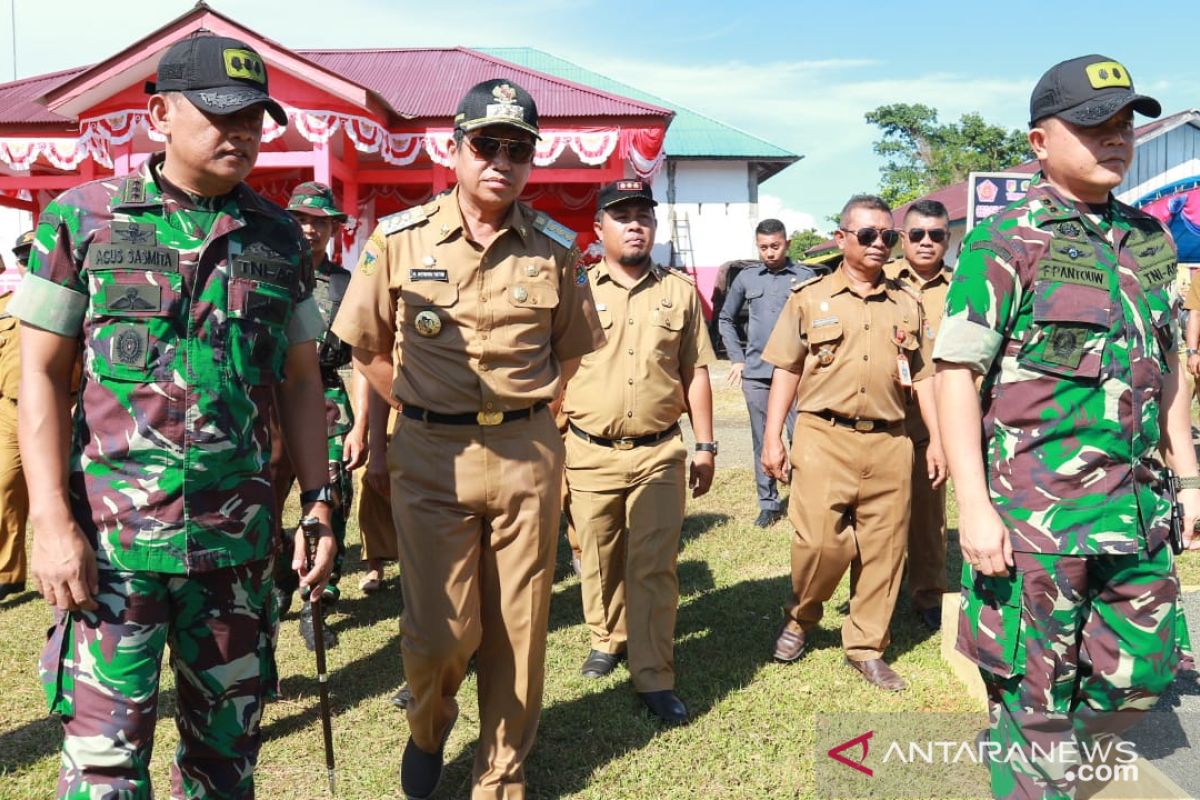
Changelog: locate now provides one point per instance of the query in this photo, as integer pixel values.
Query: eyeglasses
(936, 235)
(519, 151)
(867, 236)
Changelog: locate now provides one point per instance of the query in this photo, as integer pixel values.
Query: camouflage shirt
(1067, 310)
(185, 308)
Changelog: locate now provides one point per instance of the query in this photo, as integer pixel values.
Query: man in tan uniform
(850, 342)
(626, 460)
(923, 270)
(14, 498)
(469, 312)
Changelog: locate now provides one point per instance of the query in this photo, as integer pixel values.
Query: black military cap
(497, 102)
(1087, 91)
(217, 74)
(620, 191)
(23, 246)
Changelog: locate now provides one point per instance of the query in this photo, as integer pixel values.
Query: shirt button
(631, 320)
(631, 381)
(487, 405)
(866, 358)
(867, 326)
(631, 351)
(483, 336)
(485, 368)
(629, 413)
(862, 390)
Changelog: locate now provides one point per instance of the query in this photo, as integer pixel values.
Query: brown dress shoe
(789, 645)
(877, 673)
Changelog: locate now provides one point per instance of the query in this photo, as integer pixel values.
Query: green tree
(923, 154)
(802, 240)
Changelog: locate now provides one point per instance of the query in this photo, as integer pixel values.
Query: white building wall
(714, 197)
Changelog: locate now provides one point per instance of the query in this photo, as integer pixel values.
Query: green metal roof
(690, 135)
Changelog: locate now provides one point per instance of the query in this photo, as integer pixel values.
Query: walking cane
(311, 528)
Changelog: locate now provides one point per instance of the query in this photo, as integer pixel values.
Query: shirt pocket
(132, 324)
(1070, 331)
(529, 305)
(425, 306)
(824, 342)
(259, 314)
(667, 325)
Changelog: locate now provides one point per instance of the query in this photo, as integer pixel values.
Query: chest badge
(531, 270)
(824, 305)
(666, 302)
(520, 295)
(825, 355)
(428, 323)
(1069, 229)
(429, 261)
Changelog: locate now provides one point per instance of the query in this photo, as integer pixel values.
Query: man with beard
(626, 459)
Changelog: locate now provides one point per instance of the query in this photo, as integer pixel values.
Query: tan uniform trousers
(926, 536)
(850, 503)
(14, 498)
(476, 510)
(628, 508)
(375, 524)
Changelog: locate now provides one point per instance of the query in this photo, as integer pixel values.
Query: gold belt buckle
(622, 444)
(489, 418)
(864, 425)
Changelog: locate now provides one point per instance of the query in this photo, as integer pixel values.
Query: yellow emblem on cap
(1107, 74)
(246, 65)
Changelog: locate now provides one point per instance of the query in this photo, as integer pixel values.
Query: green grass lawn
(753, 731)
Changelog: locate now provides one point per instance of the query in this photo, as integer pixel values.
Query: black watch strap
(322, 494)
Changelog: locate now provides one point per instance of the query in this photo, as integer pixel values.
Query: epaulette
(680, 274)
(394, 223)
(556, 231)
(798, 286)
(904, 286)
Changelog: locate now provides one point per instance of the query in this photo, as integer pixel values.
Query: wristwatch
(706, 447)
(322, 494)
(1190, 482)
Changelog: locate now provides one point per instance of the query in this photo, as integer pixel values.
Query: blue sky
(800, 75)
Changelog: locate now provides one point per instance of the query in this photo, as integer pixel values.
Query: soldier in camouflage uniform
(1065, 303)
(190, 296)
(313, 206)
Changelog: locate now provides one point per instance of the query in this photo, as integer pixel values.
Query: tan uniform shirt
(471, 329)
(10, 351)
(633, 385)
(1192, 301)
(845, 347)
(931, 294)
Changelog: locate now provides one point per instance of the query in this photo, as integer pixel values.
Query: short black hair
(872, 202)
(769, 227)
(928, 208)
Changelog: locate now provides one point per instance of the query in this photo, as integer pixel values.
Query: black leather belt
(624, 444)
(487, 418)
(861, 425)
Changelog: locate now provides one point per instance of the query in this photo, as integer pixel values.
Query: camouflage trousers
(339, 419)
(1063, 644)
(100, 671)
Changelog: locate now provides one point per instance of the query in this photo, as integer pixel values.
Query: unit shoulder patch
(554, 230)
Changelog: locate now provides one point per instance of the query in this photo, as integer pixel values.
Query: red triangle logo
(836, 753)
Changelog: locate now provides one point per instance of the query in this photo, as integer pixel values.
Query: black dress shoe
(400, 699)
(307, 631)
(420, 772)
(598, 664)
(667, 706)
(931, 618)
(7, 589)
(768, 517)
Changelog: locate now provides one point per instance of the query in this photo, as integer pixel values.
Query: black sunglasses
(519, 151)
(936, 235)
(867, 236)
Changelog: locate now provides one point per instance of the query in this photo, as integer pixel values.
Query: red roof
(429, 82)
(417, 83)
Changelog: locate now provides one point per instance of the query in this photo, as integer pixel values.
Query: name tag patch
(824, 322)
(121, 256)
(1078, 274)
(440, 275)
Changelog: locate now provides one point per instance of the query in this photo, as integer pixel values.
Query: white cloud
(770, 205)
